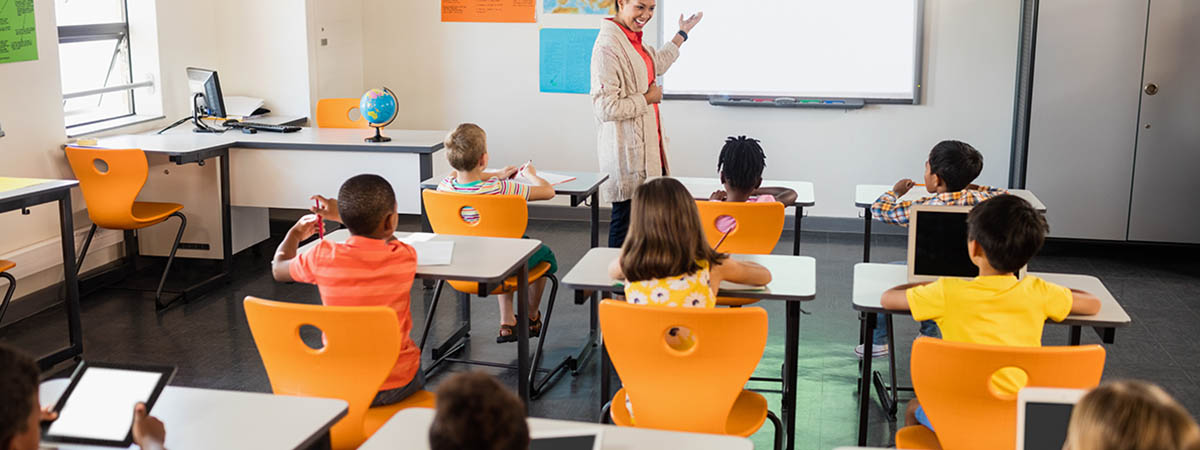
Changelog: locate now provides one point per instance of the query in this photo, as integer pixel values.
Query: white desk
(702, 189)
(208, 418)
(871, 280)
(866, 194)
(793, 281)
(487, 261)
(409, 429)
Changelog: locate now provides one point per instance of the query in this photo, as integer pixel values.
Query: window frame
(119, 31)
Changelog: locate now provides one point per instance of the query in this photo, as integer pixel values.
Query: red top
(367, 272)
(636, 40)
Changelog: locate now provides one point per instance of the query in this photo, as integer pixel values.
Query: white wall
(446, 73)
(262, 51)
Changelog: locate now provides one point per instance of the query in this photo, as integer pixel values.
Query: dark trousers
(619, 224)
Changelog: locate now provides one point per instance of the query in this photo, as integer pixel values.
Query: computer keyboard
(263, 127)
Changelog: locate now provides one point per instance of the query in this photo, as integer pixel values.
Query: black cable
(173, 125)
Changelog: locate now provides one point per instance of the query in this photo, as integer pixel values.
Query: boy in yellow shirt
(995, 308)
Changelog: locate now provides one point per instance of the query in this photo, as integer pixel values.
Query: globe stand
(378, 137)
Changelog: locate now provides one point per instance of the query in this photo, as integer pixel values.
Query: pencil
(715, 247)
(320, 221)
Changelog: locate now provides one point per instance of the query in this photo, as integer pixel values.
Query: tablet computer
(1043, 415)
(97, 406)
(937, 244)
(573, 439)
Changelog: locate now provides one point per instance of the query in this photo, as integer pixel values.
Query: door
(1166, 175)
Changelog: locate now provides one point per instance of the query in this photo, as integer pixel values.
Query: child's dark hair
(364, 202)
(957, 163)
(741, 162)
(1008, 229)
(665, 238)
(476, 412)
(18, 384)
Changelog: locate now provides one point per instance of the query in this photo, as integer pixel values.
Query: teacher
(625, 100)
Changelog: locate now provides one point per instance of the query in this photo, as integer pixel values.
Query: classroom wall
(262, 52)
(447, 73)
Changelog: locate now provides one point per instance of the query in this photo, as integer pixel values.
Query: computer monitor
(205, 82)
(1043, 417)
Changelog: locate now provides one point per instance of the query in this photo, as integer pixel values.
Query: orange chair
(361, 346)
(111, 181)
(758, 228)
(12, 285)
(339, 113)
(699, 389)
(953, 381)
(501, 216)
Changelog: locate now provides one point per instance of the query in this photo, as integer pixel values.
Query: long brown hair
(1131, 415)
(665, 236)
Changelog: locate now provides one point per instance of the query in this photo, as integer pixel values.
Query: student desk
(227, 205)
(209, 418)
(487, 261)
(793, 281)
(409, 429)
(23, 193)
(866, 194)
(871, 280)
(702, 189)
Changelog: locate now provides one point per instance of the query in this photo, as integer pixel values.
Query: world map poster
(605, 7)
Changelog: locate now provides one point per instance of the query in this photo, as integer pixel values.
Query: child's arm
(327, 208)
(896, 298)
(1083, 303)
(541, 189)
(743, 272)
(506, 173)
(282, 264)
(781, 194)
(614, 269)
(889, 209)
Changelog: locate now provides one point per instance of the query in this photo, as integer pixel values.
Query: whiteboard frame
(918, 73)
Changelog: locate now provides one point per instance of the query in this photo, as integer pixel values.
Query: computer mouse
(249, 130)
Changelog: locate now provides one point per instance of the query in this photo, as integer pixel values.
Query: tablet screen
(100, 407)
(941, 245)
(583, 442)
(1046, 425)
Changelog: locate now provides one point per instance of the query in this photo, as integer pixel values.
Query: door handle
(1151, 89)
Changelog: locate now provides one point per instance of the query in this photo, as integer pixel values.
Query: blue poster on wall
(566, 59)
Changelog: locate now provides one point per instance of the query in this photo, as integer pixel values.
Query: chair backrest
(953, 381)
(758, 225)
(336, 113)
(503, 216)
(110, 180)
(361, 347)
(691, 390)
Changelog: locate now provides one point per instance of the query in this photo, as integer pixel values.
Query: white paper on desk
(433, 253)
(236, 106)
(554, 179)
(417, 237)
(731, 286)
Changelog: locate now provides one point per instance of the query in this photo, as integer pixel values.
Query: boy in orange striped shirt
(371, 268)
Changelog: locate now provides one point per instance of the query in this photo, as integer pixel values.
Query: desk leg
(864, 379)
(790, 367)
(605, 376)
(595, 219)
(523, 334)
(226, 220)
(866, 234)
(66, 223)
(796, 230)
(1076, 334)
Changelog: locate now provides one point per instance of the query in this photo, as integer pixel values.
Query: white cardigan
(625, 122)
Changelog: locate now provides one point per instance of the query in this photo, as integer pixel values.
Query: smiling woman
(625, 101)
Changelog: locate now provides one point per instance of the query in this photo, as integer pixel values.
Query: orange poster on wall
(519, 11)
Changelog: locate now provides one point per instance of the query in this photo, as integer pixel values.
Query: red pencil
(320, 221)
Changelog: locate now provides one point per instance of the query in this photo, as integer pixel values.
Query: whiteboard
(861, 49)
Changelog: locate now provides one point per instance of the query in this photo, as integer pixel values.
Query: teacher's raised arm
(625, 101)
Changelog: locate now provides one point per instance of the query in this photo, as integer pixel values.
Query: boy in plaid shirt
(949, 171)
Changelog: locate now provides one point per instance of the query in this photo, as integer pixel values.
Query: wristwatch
(684, 35)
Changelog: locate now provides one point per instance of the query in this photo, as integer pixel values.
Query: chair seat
(917, 437)
(509, 285)
(379, 415)
(5, 265)
(735, 301)
(150, 213)
(747, 416)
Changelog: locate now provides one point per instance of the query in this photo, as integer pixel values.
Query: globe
(378, 107)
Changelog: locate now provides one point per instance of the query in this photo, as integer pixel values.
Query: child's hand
(903, 186)
(509, 172)
(530, 170)
(48, 414)
(326, 208)
(148, 431)
(718, 196)
(305, 227)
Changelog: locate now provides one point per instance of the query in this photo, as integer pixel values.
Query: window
(94, 56)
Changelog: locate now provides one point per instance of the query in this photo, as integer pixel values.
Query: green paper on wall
(18, 31)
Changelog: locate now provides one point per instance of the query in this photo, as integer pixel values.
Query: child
(741, 166)
(995, 308)
(1131, 415)
(21, 415)
(466, 148)
(475, 412)
(949, 171)
(371, 268)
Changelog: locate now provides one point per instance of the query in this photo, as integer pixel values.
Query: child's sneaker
(877, 350)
